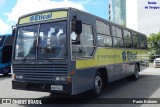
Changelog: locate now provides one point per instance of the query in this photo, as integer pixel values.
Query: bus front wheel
(98, 84)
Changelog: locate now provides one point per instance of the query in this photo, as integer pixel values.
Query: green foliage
(154, 45)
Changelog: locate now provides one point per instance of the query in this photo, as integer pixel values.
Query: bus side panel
(130, 68)
(111, 73)
(144, 60)
(119, 64)
(83, 80)
(118, 71)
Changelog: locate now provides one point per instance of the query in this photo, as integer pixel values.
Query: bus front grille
(40, 72)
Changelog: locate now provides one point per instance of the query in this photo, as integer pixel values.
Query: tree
(154, 45)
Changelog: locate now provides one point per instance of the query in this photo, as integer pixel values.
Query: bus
(69, 51)
(6, 43)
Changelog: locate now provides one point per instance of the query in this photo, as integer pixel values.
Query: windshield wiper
(24, 59)
(44, 54)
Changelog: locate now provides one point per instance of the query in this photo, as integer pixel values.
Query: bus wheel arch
(104, 74)
(138, 64)
(99, 81)
(135, 76)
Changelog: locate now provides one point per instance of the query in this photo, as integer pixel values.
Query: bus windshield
(43, 41)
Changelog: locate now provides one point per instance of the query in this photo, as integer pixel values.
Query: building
(117, 11)
(141, 15)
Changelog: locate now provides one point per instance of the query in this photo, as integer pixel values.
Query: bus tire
(98, 84)
(136, 73)
(6, 71)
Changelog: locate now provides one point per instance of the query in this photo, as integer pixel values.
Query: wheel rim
(98, 84)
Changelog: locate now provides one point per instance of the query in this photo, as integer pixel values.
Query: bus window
(117, 37)
(113, 31)
(118, 32)
(104, 41)
(52, 41)
(127, 39)
(86, 43)
(115, 42)
(142, 41)
(26, 42)
(103, 28)
(120, 42)
(145, 42)
(135, 40)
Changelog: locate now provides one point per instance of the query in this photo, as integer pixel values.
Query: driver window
(83, 44)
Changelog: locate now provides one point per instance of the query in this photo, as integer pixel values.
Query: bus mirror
(78, 26)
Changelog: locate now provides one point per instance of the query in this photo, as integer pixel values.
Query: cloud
(2, 1)
(25, 6)
(4, 27)
(84, 2)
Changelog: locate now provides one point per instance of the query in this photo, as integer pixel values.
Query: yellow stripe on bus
(109, 56)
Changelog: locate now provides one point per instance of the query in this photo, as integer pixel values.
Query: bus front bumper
(43, 87)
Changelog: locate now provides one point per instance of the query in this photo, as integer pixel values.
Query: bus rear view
(6, 42)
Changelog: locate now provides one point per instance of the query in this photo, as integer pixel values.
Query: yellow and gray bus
(70, 51)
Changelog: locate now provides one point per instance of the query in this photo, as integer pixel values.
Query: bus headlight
(19, 76)
(60, 78)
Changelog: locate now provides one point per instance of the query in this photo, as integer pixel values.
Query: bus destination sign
(43, 17)
(40, 17)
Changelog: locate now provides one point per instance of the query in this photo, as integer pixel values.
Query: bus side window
(141, 41)
(135, 40)
(127, 39)
(117, 37)
(83, 44)
(104, 40)
(115, 42)
(75, 38)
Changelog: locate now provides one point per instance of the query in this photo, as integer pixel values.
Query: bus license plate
(57, 87)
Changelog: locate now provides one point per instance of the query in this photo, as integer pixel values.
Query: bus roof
(74, 9)
(107, 21)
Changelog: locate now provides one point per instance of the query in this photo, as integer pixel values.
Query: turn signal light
(69, 79)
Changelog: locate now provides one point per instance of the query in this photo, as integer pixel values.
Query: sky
(11, 10)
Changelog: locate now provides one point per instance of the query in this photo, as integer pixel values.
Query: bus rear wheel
(98, 84)
(6, 71)
(136, 72)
